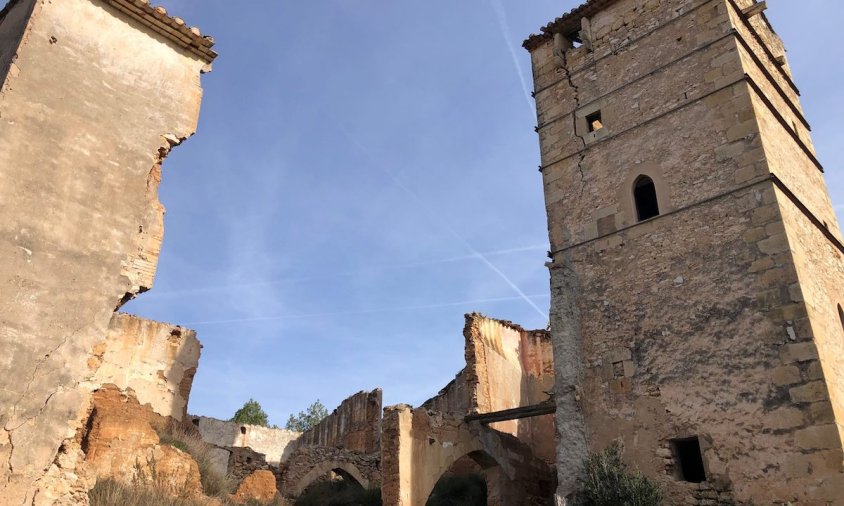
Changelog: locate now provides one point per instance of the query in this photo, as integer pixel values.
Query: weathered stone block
(810, 392)
(798, 352)
(819, 437)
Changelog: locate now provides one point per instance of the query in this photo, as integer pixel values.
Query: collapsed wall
(80, 221)
(507, 367)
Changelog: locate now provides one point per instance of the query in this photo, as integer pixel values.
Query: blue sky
(365, 172)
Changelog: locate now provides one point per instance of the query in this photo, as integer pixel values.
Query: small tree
(607, 481)
(252, 414)
(307, 420)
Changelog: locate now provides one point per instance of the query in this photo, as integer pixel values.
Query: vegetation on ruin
(214, 483)
(251, 414)
(306, 420)
(464, 490)
(608, 481)
(113, 493)
(338, 493)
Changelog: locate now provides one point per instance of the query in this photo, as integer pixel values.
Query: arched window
(644, 193)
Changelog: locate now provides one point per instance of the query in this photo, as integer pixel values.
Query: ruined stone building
(472, 426)
(696, 265)
(94, 95)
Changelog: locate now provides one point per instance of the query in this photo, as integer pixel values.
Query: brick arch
(321, 470)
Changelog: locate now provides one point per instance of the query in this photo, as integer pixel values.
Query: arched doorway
(472, 480)
(335, 485)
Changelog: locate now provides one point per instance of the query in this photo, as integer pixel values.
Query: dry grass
(113, 493)
(214, 483)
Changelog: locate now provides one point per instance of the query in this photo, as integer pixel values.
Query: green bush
(251, 414)
(338, 493)
(465, 490)
(607, 481)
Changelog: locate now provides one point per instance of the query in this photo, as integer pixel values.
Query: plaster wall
(156, 360)
(80, 221)
(514, 368)
(423, 445)
(276, 444)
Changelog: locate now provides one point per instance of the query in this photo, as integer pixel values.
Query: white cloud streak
(501, 16)
(365, 311)
(477, 254)
(351, 273)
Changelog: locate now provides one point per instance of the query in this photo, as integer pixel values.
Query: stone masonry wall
(692, 323)
(275, 444)
(355, 425)
(80, 221)
(314, 464)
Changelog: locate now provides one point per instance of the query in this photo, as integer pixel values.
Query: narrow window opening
(689, 460)
(841, 315)
(243, 430)
(644, 193)
(594, 121)
(196, 421)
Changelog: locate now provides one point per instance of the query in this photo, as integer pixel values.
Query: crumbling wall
(512, 368)
(275, 444)
(157, 361)
(80, 221)
(355, 425)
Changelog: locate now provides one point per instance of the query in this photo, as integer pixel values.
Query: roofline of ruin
(172, 28)
(567, 23)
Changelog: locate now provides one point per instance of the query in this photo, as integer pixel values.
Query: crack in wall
(576, 92)
(35, 375)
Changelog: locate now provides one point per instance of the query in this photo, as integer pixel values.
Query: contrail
(477, 254)
(501, 16)
(332, 275)
(363, 311)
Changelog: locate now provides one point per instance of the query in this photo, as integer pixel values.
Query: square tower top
(568, 24)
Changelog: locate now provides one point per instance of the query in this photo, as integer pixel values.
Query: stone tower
(696, 267)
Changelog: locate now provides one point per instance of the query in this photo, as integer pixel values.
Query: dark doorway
(689, 460)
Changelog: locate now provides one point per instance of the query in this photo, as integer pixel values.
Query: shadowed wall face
(92, 103)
